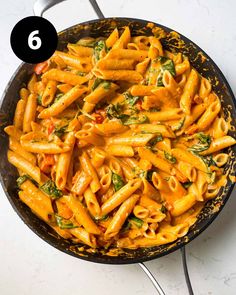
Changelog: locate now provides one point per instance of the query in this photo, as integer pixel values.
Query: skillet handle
(152, 279)
(41, 6)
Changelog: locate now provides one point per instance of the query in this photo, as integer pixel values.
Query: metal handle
(41, 6)
(186, 274)
(152, 279)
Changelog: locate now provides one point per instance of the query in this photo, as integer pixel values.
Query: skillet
(97, 28)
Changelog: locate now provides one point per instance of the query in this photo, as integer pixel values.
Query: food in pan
(118, 142)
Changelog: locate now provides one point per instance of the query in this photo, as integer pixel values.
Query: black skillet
(97, 28)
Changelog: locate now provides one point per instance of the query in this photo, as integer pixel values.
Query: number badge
(34, 39)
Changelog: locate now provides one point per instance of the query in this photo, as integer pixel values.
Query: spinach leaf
(103, 218)
(63, 223)
(202, 145)
(96, 82)
(39, 100)
(204, 138)
(137, 221)
(135, 120)
(21, 179)
(114, 111)
(155, 140)
(130, 99)
(163, 209)
(106, 85)
(170, 158)
(180, 124)
(153, 110)
(51, 189)
(117, 181)
(79, 73)
(99, 46)
(187, 184)
(166, 65)
(149, 175)
(59, 131)
(58, 97)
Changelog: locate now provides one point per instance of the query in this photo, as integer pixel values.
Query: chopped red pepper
(41, 67)
(139, 105)
(51, 127)
(47, 162)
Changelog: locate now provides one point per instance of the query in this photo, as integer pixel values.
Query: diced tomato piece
(51, 127)
(139, 105)
(48, 161)
(99, 118)
(102, 228)
(41, 67)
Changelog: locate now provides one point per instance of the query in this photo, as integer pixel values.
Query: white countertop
(29, 266)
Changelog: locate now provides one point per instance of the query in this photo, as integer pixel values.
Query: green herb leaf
(166, 65)
(82, 74)
(96, 82)
(155, 140)
(149, 175)
(39, 100)
(202, 145)
(180, 125)
(117, 181)
(130, 99)
(187, 184)
(59, 131)
(63, 223)
(51, 189)
(135, 120)
(163, 209)
(114, 111)
(58, 97)
(106, 85)
(203, 138)
(170, 158)
(153, 110)
(126, 226)
(103, 218)
(21, 179)
(138, 222)
(208, 160)
(99, 46)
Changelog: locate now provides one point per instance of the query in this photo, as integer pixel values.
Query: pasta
(119, 143)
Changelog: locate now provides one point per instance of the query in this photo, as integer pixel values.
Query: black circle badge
(34, 39)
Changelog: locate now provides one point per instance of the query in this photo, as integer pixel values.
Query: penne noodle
(19, 114)
(219, 144)
(24, 165)
(120, 150)
(81, 214)
(189, 91)
(62, 103)
(88, 167)
(16, 147)
(65, 77)
(120, 196)
(63, 162)
(30, 112)
(121, 215)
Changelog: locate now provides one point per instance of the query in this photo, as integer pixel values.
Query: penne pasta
(119, 143)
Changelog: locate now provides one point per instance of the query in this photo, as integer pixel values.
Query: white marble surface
(30, 266)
